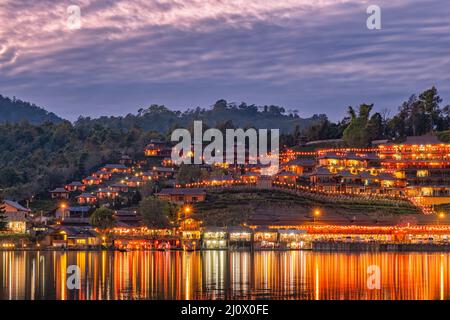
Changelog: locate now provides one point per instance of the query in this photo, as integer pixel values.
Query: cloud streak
(316, 56)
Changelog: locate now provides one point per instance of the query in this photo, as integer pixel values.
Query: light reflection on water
(223, 275)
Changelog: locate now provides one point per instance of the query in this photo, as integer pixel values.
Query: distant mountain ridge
(15, 111)
(160, 119)
(222, 115)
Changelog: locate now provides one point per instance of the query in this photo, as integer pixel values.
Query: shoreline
(332, 247)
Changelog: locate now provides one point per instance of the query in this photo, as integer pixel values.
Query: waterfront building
(265, 239)
(15, 216)
(292, 239)
(71, 236)
(239, 238)
(191, 231)
(214, 238)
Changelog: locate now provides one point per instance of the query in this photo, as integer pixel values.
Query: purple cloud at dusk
(313, 56)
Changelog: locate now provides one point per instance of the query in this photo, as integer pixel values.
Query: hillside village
(324, 188)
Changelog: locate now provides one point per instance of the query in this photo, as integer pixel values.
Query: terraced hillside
(274, 206)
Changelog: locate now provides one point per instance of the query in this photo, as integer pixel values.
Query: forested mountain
(14, 111)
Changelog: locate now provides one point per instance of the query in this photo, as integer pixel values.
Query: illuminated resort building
(353, 171)
(300, 166)
(215, 238)
(15, 216)
(158, 148)
(418, 167)
(423, 162)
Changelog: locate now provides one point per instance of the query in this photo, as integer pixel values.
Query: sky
(314, 56)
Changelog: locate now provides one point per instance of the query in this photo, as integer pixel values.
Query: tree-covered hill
(14, 111)
(36, 158)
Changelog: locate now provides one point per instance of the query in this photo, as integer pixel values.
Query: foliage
(36, 159)
(223, 114)
(157, 213)
(102, 218)
(3, 221)
(189, 173)
(419, 115)
(362, 128)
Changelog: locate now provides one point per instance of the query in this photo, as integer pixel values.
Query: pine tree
(3, 221)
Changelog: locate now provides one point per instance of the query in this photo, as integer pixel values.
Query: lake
(223, 275)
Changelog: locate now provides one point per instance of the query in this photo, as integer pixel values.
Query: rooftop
(115, 166)
(59, 190)
(16, 205)
(301, 162)
(75, 184)
(322, 171)
(86, 195)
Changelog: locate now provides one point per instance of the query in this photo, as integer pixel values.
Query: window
(422, 173)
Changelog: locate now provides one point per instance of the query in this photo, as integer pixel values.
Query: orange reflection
(223, 275)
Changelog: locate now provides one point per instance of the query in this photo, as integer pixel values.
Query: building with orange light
(107, 193)
(116, 168)
(300, 166)
(102, 175)
(424, 163)
(16, 216)
(75, 186)
(86, 198)
(191, 232)
(157, 148)
(91, 180)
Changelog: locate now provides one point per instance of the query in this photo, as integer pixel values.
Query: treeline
(15, 110)
(159, 118)
(420, 114)
(36, 158)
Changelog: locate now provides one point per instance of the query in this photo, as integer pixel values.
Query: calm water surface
(223, 275)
